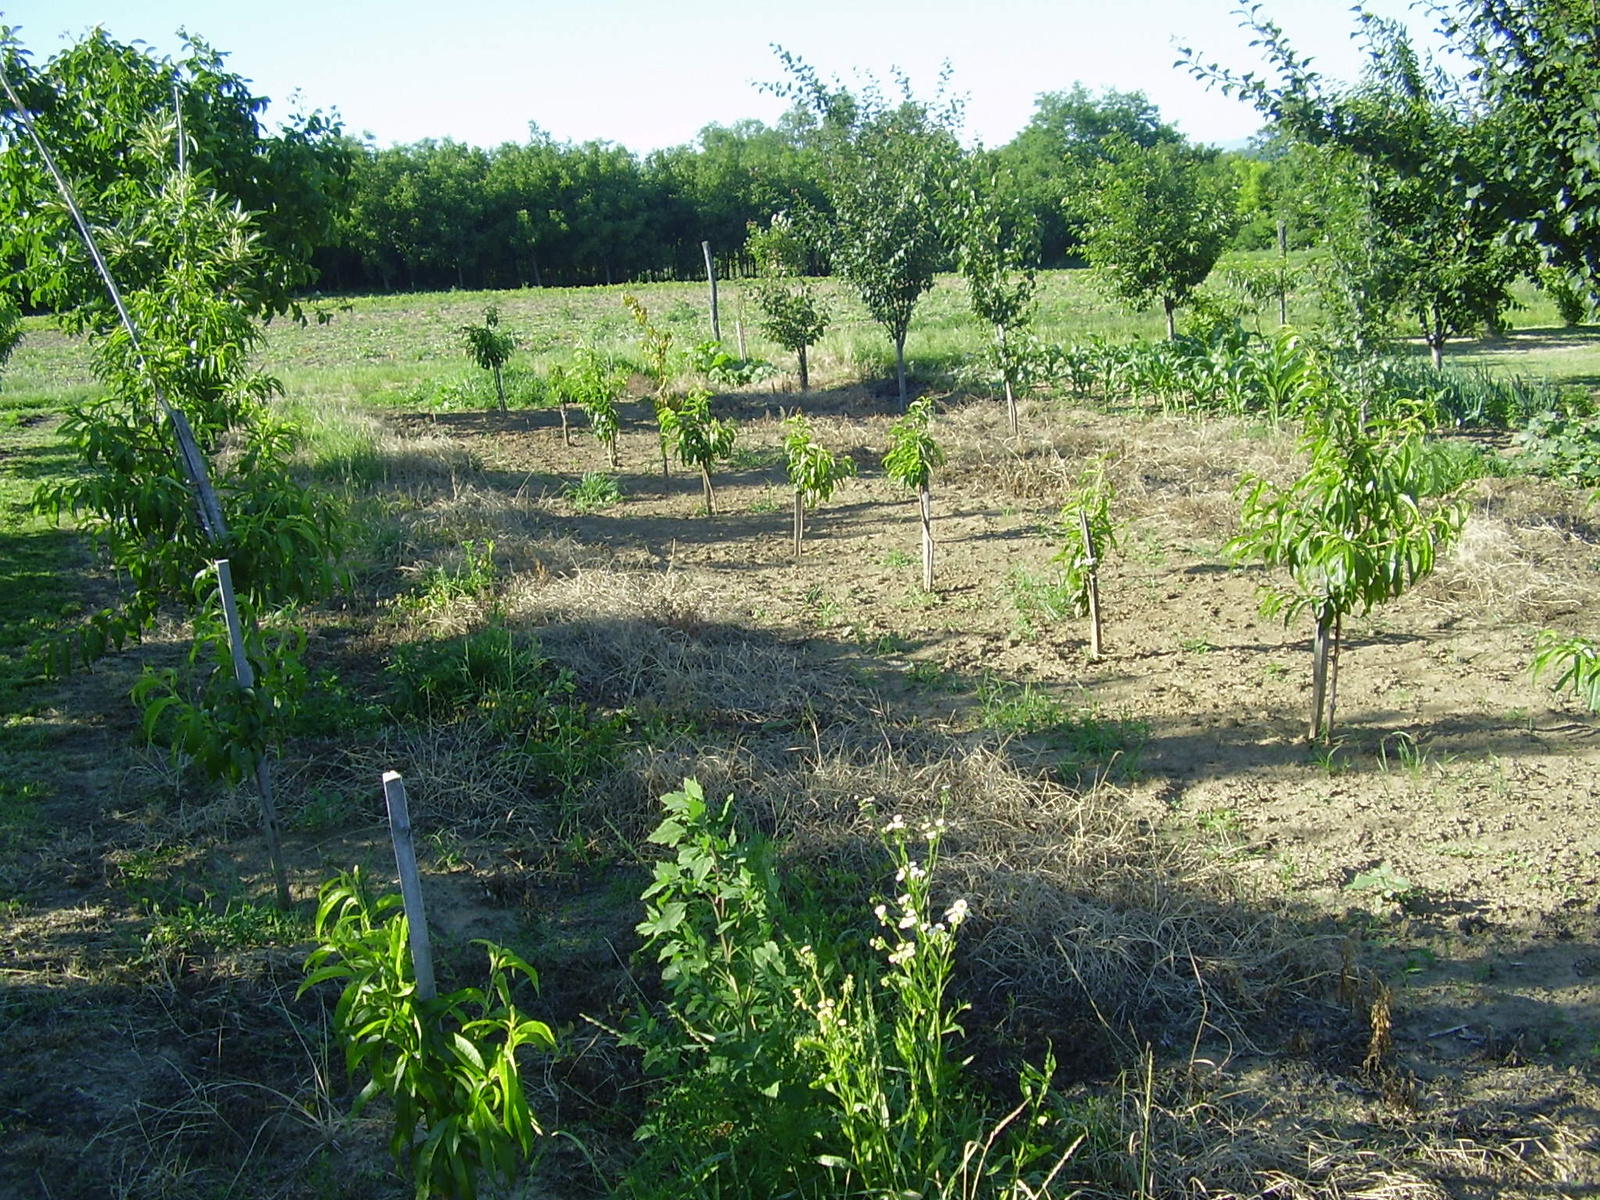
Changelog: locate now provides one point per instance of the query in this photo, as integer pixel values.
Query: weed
(896, 559)
(237, 925)
(767, 502)
(887, 644)
(469, 578)
(929, 676)
(1043, 600)
(596, 490)
(1195, 645)
(1383, 882)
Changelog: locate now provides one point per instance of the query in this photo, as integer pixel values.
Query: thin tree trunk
(926, 502)
(799, 521)
(805, 378)
(1436, 349)
(1333, 669)
(566, 428)
(1172, 321)
(900, 369)
(1283, 274)
(705, 484)
(499, 387)
(1005, 378)
(537, 282)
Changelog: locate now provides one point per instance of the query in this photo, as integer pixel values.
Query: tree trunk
(566, 429)
(1436, 349)
(499, 387)
(1172, 322)
(537, 282)
(711, 282)
(926, 502)
(705, 484)
(1283, 274)
(805, 378)
(1005, 378)
(1319, 673)
(900, 369)
(799, 521)
(1333, 669)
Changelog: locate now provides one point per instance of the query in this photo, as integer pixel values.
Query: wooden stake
(405, 859)
(1092, 565)
(1319, 675)
(246, 678)
(799, 521)
(926, 499)
(738, 328)
(711, 279)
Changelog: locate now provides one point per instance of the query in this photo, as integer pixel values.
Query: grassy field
(1261, 968)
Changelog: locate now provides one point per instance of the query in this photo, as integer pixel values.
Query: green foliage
(713, 361)
(106, 111)
(10, 328)
(1563, 445)
(225, 727)
(1576, 661)
(1573, 301)
(593, 492)
(134, 497)
(814, 470)
(913, 453)
(595, 384)
(656, 343)
(1158, 220)
(995, 249)
(699, 439)
(448, 1064)
(490, 347)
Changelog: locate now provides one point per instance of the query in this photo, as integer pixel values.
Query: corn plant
(913, 455)
(1357, 529)
(814, 472)
(448, 1064)
(490, 348)
(1576, 659)
(699, 439)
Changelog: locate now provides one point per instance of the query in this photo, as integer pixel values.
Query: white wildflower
(956, 913)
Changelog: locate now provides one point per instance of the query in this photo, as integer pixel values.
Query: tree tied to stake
(913, 455)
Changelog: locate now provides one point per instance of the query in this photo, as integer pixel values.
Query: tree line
(1426, 194)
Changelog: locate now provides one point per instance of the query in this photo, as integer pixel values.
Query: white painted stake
(405, 858)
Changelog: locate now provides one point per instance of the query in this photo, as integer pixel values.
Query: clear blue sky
(649, 75)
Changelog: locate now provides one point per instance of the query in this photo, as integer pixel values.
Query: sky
(652, 74)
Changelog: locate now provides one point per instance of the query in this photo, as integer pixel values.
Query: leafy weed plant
(448, 1064)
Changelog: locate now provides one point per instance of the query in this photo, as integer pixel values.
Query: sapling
(593, 383)
(1578, 662)
(913, 454)
(994, 251)
(490, 347)
(1090, 533)
(814, 472)
(1355, 530)
(699, 439)
(657, 347)
(792, 314)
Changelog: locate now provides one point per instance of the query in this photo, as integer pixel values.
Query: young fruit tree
(490, 348)
(1159, 218)
(814, 472)
(792, 314)
(913, 454)
(699, 439)
(593, 383)
(1355, 530)
(656, 345)
(1576, 661)
(886, 172)
(1090, 534)
(995, 245)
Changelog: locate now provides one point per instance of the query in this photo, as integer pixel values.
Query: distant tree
(1050, 164)
(887, 168)
(1160, 218)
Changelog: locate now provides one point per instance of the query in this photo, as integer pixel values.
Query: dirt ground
(1444, 847)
